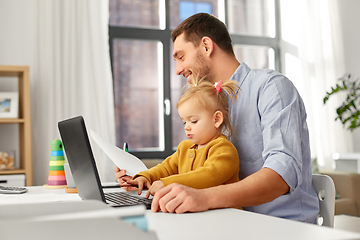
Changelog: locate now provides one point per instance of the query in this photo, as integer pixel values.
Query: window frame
(164, 36)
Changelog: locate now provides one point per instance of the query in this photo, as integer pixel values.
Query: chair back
(325, 190)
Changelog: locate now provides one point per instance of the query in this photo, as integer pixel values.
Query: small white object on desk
(12, 190)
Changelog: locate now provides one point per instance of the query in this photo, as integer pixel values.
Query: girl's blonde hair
(207, 95)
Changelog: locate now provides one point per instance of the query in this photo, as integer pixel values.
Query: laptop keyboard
(124, 199)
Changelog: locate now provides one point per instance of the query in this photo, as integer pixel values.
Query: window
(146, 87)
(188, 8)
(136, 93)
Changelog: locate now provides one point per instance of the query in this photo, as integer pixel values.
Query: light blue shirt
(269, 121)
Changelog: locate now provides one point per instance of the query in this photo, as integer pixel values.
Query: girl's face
(200, 125)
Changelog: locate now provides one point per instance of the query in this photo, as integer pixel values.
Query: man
(271, 133)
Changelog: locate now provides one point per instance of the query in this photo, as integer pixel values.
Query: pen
(126, 147)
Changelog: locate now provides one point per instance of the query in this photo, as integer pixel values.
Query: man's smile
(188, 76)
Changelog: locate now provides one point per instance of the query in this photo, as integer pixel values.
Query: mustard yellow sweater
(215, 164)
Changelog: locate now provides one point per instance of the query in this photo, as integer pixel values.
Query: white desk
(215, 224)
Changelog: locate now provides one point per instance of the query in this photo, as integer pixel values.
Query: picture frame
(9, 104)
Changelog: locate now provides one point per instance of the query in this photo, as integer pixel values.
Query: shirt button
(191, 155)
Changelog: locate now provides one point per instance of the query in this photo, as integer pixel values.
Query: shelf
(11, 120)
(23, 121)
(12, 71)
(12, 171)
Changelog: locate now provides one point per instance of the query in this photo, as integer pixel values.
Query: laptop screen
(80, 157)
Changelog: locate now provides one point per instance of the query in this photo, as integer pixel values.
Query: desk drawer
(17, 180)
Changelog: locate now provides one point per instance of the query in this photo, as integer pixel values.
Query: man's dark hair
(202, 24)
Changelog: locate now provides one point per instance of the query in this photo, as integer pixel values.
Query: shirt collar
(241, 72)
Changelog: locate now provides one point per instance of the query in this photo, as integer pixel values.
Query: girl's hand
(122, 178)
(140, 182)
(154, 187)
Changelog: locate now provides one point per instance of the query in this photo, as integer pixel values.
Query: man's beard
(201, 69)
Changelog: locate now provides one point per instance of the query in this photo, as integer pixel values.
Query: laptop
(83, 167)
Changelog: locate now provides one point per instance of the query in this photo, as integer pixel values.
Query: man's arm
(258, 188)
(261, 187)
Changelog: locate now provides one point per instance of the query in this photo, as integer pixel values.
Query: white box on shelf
(347, 162)
(13, 180)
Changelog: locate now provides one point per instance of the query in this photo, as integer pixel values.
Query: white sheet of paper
(122, 159)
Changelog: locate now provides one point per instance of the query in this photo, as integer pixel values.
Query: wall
(17, 26)
(349, 15)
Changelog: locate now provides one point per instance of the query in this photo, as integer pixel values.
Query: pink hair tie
(217, 86)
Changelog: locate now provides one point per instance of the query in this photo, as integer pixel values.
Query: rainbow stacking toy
(56, 167)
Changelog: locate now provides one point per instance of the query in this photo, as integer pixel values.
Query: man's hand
(155, 186)
(178, 198)
(261, 187)
(123, 179)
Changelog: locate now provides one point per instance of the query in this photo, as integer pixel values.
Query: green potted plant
(347, 113)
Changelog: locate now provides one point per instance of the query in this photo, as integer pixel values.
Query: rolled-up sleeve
(279, 108)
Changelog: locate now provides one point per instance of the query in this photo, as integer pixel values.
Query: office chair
(325, 190)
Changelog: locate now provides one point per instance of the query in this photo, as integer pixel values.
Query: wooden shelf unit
(24, 121)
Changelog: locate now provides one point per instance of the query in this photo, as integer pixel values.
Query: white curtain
(315, 61)
(72, 77)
